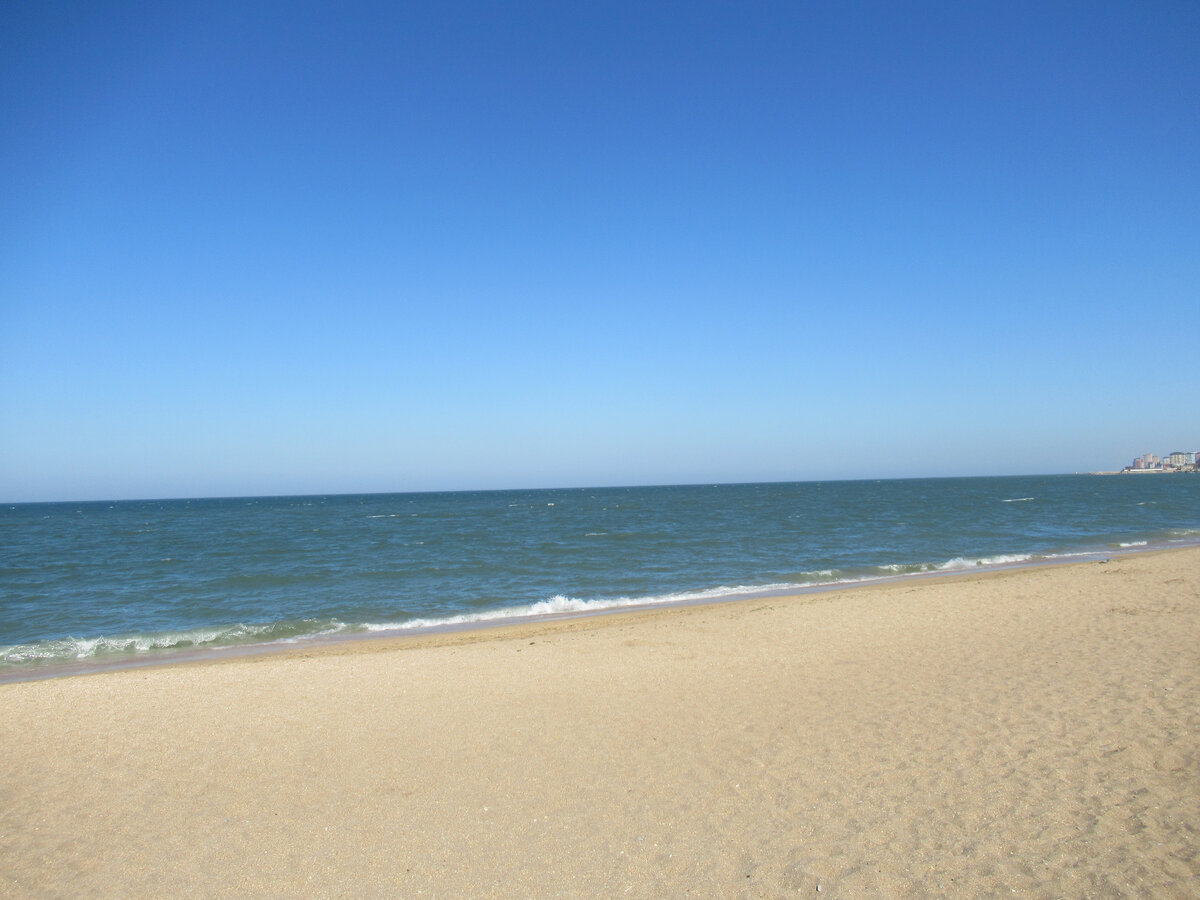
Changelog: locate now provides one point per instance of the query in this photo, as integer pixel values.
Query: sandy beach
(1033, 732)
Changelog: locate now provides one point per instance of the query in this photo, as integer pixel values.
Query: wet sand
(1034, 732)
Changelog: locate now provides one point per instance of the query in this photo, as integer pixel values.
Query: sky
(253, 248)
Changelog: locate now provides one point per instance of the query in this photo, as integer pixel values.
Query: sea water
(120, 582)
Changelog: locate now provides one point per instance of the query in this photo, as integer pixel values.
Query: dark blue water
(127, 579)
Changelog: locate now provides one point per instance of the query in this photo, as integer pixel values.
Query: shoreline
(498, 619)
(1035, 730)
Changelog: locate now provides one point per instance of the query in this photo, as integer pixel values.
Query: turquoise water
(133, 580)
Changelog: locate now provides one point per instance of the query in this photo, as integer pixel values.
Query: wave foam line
(819, 578)
(564, 605)
(110, 646)
(69, 649)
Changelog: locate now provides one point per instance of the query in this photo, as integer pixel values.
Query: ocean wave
(1003, 559)
(955, 564)
(118, 649)
(104, 647)
(1019, 500)
(817, 579)
(561, 604)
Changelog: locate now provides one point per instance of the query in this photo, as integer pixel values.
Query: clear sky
(262, 248)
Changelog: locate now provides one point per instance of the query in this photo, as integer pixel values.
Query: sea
(97, 585)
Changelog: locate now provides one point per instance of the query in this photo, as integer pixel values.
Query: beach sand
(1032, 732)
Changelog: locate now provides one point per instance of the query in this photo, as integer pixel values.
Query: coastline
(103, 586)
(1032, 730)
(518, 616)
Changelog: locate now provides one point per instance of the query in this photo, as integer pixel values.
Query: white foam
(1019, 500)
(132, 645)
(963, 562)
(77, 648)
(955, 564)
(560, 604)
(564, 605)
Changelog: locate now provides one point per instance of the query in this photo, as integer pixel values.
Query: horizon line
(584, 487)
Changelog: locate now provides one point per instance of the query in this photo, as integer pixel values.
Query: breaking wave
(120, 650)
(115, 647)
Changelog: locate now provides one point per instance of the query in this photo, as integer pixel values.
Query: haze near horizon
(250, 249)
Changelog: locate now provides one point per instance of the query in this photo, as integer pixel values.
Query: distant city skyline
(1176, 459)
(249, 249)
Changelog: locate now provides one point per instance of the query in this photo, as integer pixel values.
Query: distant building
(1175, 461)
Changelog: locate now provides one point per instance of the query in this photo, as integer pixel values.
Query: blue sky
(259, 248)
